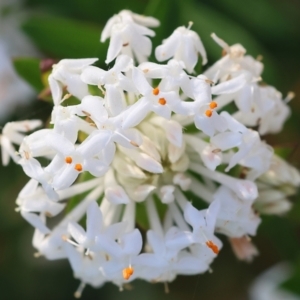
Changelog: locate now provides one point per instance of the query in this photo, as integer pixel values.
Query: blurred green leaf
(292, 284)
(283, 152)
(91, 10)
(29, 70)
(65, 38)
(266, 21)
(282, 234)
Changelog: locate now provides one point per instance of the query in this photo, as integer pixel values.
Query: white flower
(66, 73)
(12, 133)
(71, 161)
(128, 35)
(114, 81)
(203, 223)
(167, 258)
(234, 219)
(156, 142)
(183, 45)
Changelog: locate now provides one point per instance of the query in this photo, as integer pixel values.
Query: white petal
(56, 90)
(230, 86)
(115, 47)
(35, 221)
(94, 222)
(132, 243)
(227, 140)
(77, 232)
(116, 195)
(92, 75)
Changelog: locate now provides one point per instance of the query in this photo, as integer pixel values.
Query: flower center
(68, 159)
(155, 91)
(127, 272)
(213, 247)
(213, 104)
(162, 101)
(208, 113)
(78, 167)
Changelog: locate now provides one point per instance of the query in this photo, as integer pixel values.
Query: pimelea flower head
(139, 152)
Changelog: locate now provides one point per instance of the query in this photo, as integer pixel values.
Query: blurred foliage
(71, 29)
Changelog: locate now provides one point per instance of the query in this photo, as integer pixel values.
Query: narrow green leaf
(29, 70)
(65, 38)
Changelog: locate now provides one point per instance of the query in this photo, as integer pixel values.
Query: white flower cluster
(141, 144)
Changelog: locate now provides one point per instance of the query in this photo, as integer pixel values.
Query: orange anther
(213, 104)
(155, 91)
(208, 113)
(162, 101)
(68, 159)
(127, 272)
(78, 167)
(212, 246)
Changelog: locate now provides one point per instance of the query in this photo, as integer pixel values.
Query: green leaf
(282, 234)
(29, 70)
(267, 20)
(65, 38)
(292, 283)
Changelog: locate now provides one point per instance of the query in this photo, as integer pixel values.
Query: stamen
(66, 239)
(127, 272)
(289, 97)
(209, 81)
(68, 159)
(216, 151)
(133, 143)
(155, 91)
(86, 113)
(190, 25)
(78, 167)
(66, 96)
(26, 155)
(208, 113)
(79, 291)
(166, 285)
(259, 57)
(101, 89)
(213, 104)
(213, 247)
(37, 254)
(162, 101)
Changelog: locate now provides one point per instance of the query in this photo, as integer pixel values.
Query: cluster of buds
(151, 143)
